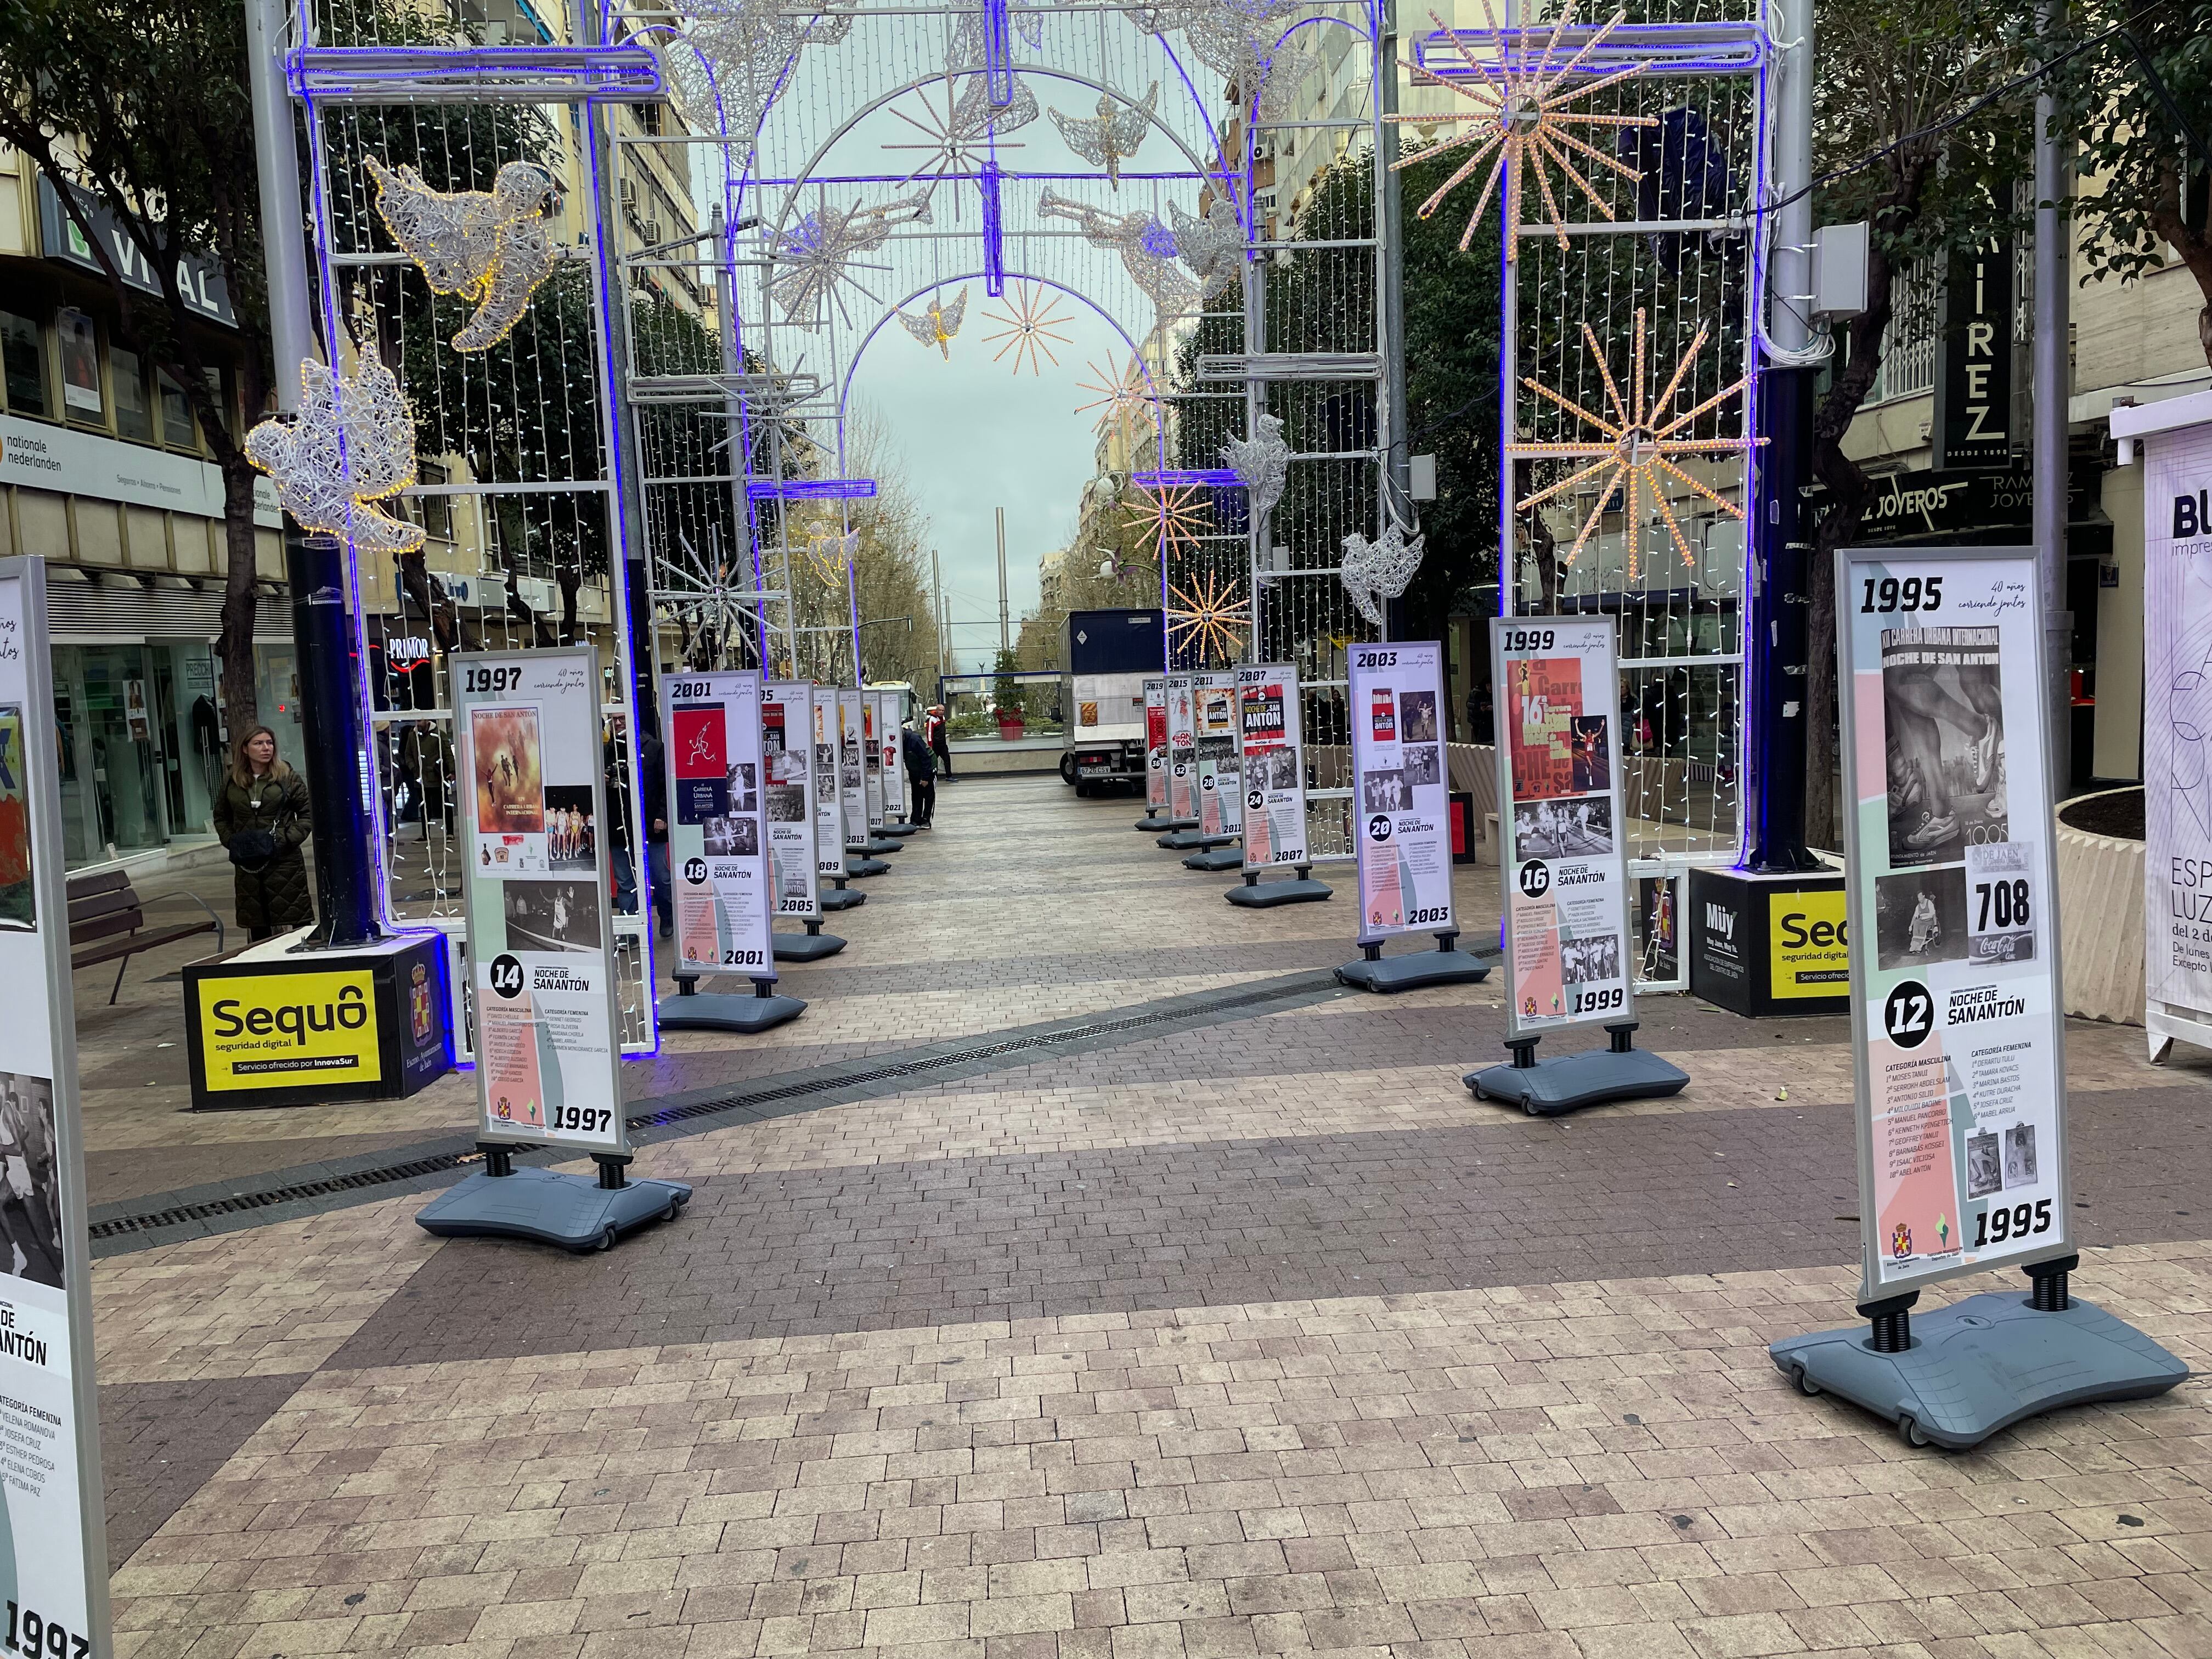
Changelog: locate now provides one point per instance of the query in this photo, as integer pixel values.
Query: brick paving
(1249, 1334)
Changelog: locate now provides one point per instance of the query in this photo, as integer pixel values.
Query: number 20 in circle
(1909, 1015)
(507, 975)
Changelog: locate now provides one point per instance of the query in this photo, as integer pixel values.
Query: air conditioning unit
(629, 195)
(539, 594)
(477, 593)
(651, 231)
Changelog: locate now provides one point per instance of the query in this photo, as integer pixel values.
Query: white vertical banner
(1156, 745)
(828, 809)
(541, 935)
(2176, 734)
(888, 706)
(787, 779)
(53, 1557)
(1219, 754)
(1271, 730)
(1557, 700)
(717, 835)
(852, 767)
(1401, 800)
(1182, 749)
(872, 757)
(1952, 894)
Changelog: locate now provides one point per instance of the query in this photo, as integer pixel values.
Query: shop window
(24, 354)
(80, 343)
(179, 429)
(134, 409)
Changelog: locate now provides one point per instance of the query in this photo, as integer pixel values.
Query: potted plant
(1006, 700)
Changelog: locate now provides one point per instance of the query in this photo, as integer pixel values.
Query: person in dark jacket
(940, 739)
(921, 771)
(653, 778)
(262, 817)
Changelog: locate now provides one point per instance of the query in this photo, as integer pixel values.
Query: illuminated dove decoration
(939, 324)
(1147, 248)
(351, 444)
(489, 246)
(1262, 463)
(1113, 136)
(1372, 572)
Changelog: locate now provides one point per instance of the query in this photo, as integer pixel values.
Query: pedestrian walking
(262, 817)
(940, 741)
(921, 771)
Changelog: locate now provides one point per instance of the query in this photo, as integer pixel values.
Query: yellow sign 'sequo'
(279, 1031)
(1808, 946)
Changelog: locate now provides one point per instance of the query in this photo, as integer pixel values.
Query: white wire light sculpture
(1374, 571)
(1112, 136)
(939, 324)
(351, 445)
(489, 246)
(1261, 463)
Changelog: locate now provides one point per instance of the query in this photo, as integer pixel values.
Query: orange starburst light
(1174, 516)
(1123, 400)
(1029, 319)
(1522, 120)
(1212, 616)
(1637, 447)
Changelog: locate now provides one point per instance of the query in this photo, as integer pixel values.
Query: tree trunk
(241, 701)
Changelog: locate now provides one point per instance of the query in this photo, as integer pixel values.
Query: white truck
(1106, 656)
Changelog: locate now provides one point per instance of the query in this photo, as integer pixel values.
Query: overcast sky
(976, 436)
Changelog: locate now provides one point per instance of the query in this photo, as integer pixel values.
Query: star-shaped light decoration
(710, 594)
(351, 445)
(1213, 616)
(1029, 318)
(815, 255)
(1261, 463)
(1123, 400)
(939, 324)
(489, 246)
(955, 143)
(1174, 517)
(1636, 447)
(1372, 572)
(1112, 137)
(1523, 119)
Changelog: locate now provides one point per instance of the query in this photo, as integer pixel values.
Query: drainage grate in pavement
(232, 1205)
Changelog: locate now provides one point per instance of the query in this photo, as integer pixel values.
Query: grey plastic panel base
(1187, 840)
(901, 829)
(1266, 895)
(805, 947)
(550, 1207)
(1217, 860)
(1561, 1082)
(843, 898)
(855, 866)
(1416, 968)
(1149, 825)
(876, 845)
(1981, 1364)
(719, 1010)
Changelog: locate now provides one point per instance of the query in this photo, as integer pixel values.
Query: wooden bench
(107, 923)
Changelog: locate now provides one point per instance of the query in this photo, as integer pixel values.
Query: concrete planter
(2101, 910)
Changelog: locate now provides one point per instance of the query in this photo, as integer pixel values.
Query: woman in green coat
(262, 817)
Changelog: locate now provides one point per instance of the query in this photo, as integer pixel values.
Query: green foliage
(2150, 180)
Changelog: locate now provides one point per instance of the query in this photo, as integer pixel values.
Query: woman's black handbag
(251, 849)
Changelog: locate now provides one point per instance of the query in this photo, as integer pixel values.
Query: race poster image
(546, 1043)
(18, 903)
(1270, 731)
(787, 758)
(1568, 943)
(509, 758)
(828, 819)
(1156, 745)
(1182, 749)
(1400, 804)
(1959, 1103)
(1943, 749)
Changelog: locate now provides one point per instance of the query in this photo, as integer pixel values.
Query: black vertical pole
(338, 752)
(1776, 643)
